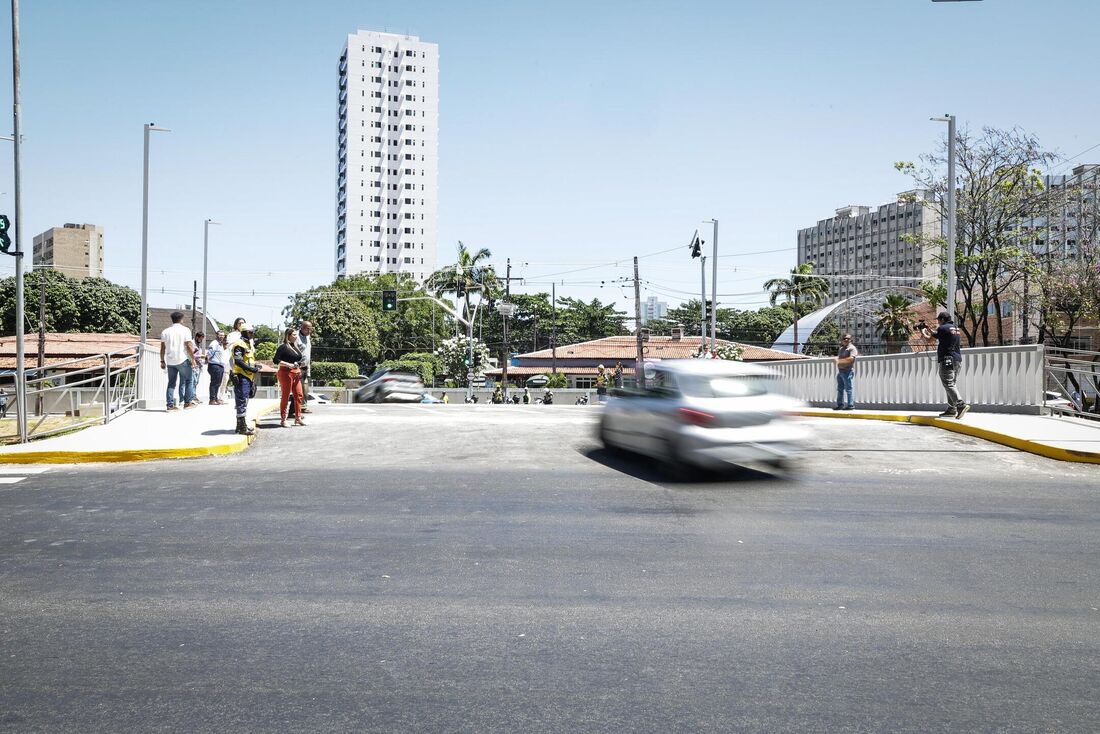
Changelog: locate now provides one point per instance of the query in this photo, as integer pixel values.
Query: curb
(93, 457)
(1021, 444)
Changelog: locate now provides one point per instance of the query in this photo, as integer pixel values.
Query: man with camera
(845, 360)
(949, 357)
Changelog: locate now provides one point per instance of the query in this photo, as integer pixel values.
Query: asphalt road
(485, 568)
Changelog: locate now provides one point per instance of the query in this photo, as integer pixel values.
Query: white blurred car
(705, 413)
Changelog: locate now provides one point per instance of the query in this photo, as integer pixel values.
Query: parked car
(319, 399)
(390, 386)
(705, 413)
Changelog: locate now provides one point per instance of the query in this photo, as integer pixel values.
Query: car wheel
(673, 467)
(605, 439)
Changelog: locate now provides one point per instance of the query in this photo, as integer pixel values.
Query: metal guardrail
(95, 389)
(1072, 382)
(994, 379)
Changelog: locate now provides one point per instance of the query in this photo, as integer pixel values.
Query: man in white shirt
(177, 355)
(305, 346)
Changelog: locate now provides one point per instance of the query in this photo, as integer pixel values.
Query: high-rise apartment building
(75, 250)
(654, 310)
(387, 170)
(863, 248)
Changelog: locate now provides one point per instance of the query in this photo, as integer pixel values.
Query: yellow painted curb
(90, 457)
(1022, 444)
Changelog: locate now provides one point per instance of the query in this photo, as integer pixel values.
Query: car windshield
(715, 386)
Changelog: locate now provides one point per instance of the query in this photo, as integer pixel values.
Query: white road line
(11, 480)
(17, 469)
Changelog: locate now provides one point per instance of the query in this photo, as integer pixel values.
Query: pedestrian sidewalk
(206, 430)
(1065, 439)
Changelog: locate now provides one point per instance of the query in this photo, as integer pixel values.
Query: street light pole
(149, 127)
(950, 296)
(205, 257)
(714, 290)
(17, 135)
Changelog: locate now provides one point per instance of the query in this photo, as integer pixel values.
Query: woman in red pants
(288, 359)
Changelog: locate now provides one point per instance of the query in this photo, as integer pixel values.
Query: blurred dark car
(391, 386)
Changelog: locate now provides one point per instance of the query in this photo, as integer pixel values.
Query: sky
(573, 135)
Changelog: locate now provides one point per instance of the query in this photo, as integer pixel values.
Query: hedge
(326, 372)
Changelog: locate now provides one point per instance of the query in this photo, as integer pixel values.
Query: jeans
(241, 393)
(948, 375)
(844, 385)
(196, 374)
(182, 372)
(216, 373)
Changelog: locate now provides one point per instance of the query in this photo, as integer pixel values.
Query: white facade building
(387, 160)
(654, 310)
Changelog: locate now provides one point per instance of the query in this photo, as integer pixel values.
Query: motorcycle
(582, 400)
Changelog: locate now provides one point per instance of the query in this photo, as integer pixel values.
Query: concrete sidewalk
(1065, 439)
(139, 435)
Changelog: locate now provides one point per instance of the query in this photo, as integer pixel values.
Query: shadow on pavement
(653, 471)
(222, 432)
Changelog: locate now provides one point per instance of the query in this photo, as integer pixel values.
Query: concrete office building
(863, 247)
(75, 250)
(387, 168)
(652, 309)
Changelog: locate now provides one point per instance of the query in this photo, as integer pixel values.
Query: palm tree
(894, 323)
(470, 271)
(802, 286)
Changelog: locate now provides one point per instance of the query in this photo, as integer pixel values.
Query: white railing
(80, 392)
(992, 379)
(1073, 382)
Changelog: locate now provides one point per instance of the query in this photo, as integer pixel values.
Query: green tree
(579, 321)
(470, 273)
(761, 327)
(416, 325)
(106, 307)
(824, 340)
(453, 353)
(802, 286)
(999, 187)
(90, 305)
(265, 351)
(688, 315)
(267, 335)
(344, 329)
(893, 322)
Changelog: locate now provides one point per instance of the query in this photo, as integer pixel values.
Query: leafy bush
(423, 369)
(558, 380)
(265, 352)
(329, 372)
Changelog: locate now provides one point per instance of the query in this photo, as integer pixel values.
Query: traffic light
(696, 247)
(5, 240)
(389, 300)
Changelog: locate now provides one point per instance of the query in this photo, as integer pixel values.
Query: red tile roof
(614, 348)
(60, 348)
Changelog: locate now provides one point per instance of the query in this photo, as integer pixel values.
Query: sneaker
(172, 407)
(192, 404)
(850, 407)
(963, 410)
(949, 413)
(838, 407)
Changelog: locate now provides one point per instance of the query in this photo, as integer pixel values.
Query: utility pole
(17, 134)
(703, 300)
(41, 333)
(639, 361)
(507, 351)
(194, 303)
(714, 292)
(554, 329)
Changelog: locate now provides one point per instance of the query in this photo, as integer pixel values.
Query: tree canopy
(87, 305)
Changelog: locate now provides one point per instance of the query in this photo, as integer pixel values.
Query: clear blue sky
(571, 133)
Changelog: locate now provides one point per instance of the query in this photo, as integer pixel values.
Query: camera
(921, 325)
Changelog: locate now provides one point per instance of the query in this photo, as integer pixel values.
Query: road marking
(25, 471)
(11, 480)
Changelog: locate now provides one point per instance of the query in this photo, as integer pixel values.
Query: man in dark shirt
(949, 357)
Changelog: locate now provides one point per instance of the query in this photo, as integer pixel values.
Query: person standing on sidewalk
(200, 360)
(245, 370)
(215, 366)
(305, 346)
(949, 357)
(177, 355)
(288, 359)
(230, 340)
(845, 373)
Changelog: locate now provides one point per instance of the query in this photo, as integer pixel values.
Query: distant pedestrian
(618, 374)
(845, 373)
(526, 396)
(177, 355)
(215, 366)
(446, 400)
(3, 404)
(305, 346)
(245, 369)
(949, 357)
(289, 360)
(200, 361)
(498, 396)
(601, 384)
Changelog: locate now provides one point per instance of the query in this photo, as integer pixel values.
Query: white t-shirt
(173, 338)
